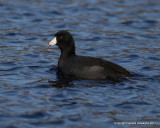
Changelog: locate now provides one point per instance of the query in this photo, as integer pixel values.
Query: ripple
(28, 14)
(31, 55)
(48, 122)
(37, 20)
(31, 38)
(1, 5)
(131, 105)
(133, 56)
(54, 12)
(11, 69)
(7, 64)
(124, 32)
(154, 58)
(127, 22)
(33, 115)
(12, 34)
(147, 68)
(151, 21)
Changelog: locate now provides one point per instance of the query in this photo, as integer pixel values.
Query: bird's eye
(61, 37)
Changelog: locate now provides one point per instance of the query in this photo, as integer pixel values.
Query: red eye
(61, 37)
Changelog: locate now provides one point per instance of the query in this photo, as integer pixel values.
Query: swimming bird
(84, 67)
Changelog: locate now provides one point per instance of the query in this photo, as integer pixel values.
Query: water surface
(124, 32)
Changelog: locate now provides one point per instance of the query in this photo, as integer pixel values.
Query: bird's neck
(65, 55)
(68, 52)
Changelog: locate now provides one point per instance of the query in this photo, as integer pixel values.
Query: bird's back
(85, 67)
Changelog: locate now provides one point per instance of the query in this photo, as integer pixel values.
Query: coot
(84, 67)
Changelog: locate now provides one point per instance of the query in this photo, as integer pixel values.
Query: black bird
(84, 67)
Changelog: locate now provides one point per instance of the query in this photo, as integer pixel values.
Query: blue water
(122, 31)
